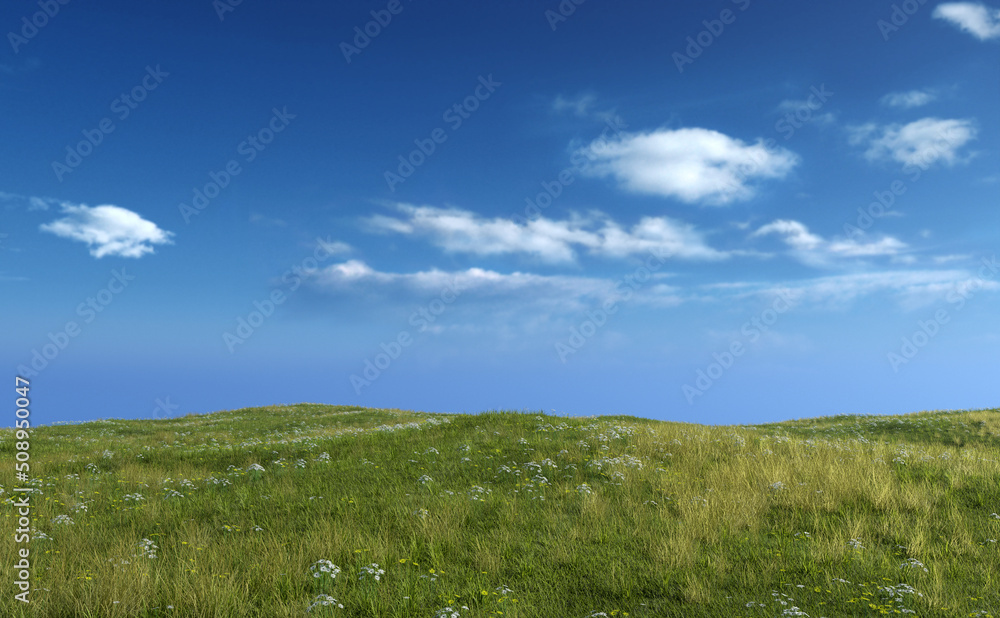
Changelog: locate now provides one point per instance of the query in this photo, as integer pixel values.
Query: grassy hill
(315, 510)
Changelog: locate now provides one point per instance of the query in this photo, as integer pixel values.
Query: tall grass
(313, 510)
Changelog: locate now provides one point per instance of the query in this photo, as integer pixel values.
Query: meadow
(317, 510)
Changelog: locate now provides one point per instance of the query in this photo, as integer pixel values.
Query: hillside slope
(316, 510)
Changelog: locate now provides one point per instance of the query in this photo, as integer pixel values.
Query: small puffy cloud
(461, 231)
(693, 165)
(922, 142)
(795, 234)
(909, 99)
(108, 230)
(817, 251)
(977, 19)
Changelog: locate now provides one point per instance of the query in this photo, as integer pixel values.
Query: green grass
(510, 514)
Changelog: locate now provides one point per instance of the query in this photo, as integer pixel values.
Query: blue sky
(717, 212)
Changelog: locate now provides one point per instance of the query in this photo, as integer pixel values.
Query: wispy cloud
(32, 202)
(494, 292)
(909, 99)
(583, 106)
(806, 107)
(817, 251)
(977, 19)
(910, 288)
(579, 106)
(562, 293)
(108, 230)
(551, 240)
(693, 165)
(944, 259)
(260, 219)
(922, 142)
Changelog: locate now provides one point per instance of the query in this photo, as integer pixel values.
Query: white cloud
(796, 234)
(912, 289)
(462, 231)
(109, 230)
(560, 293)
(922, 142)
(513, 293)
(693, 165)
(334, 247)
(817, 251)
(977, 19)
(910, 99)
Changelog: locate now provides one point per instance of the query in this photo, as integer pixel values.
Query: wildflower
(913, 563)
(323, 600)
(324, 567)
(372, 570)
(147, 549)
(255, 468)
